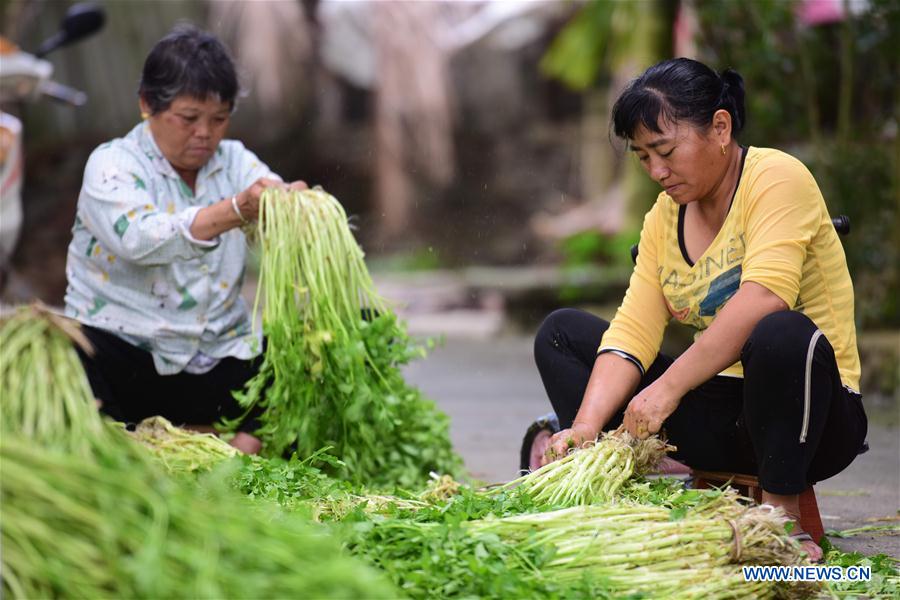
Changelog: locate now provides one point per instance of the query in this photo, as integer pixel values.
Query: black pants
(124, 379)
(760, 424)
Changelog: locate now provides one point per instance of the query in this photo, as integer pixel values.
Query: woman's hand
(649, 409)
(221, 217)
(565, 440)
(248, 200)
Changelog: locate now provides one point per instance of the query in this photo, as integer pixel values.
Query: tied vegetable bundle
(79, 528)
(179, 450)
(594, 473)
(46, 396)
(586, 551)
(331, 372)
(88, 513)
(636, 549)
(714, 533)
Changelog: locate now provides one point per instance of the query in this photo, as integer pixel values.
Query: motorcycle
(26, 78)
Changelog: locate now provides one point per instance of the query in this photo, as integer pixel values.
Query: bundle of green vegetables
(87, 512)
(180, 450)
(602, 537)
(79, 528)
(460, 549)
(45, 395)
(639, 549)
(594, 473)
(331, 372)
(690, 551)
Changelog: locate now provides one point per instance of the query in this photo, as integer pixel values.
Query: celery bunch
(594, 473)
(331, 372)
(639, 549)
(44, 392)
(84, 529)
(179, 450)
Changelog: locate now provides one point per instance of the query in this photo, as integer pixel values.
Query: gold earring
(146, 116)
(723, 149)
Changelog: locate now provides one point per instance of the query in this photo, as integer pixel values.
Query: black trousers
(124, 379)
(764, 424)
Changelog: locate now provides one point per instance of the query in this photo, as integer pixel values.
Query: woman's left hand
(648, 410)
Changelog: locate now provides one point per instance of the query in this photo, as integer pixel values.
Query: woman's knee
(568, 334)
(555, 322)
(548, 334)
(565, 326)
(778, 339)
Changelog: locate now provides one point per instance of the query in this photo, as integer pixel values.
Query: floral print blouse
(134, 269)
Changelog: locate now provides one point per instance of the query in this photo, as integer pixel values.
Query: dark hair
(678, 90)
(188, 62)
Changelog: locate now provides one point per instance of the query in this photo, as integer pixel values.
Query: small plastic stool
(810, 519)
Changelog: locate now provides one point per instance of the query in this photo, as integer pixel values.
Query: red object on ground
(810, 519)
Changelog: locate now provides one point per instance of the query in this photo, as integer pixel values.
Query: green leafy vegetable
(331, 373)
(594, 473)
(885, 573)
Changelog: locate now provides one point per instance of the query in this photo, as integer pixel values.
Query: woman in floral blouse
(156, 262)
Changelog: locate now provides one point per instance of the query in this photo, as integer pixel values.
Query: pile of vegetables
(90, 509)
(46, 396)
(181, 451)
(88, 512)
(643, 549)
(86, 529)
(331, 372)
(464, 547)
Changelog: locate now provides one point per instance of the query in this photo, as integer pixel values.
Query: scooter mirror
(81, 20)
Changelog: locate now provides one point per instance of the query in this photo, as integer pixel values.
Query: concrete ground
(492, 392)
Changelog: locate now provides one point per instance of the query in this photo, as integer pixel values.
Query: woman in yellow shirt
(740, 246)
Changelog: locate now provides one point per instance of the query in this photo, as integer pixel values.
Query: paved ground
(492, 392)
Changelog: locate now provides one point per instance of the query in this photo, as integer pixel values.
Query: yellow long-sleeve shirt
(777, 233)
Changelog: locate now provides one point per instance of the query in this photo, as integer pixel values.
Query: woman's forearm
(720, 345)
(612, 382)
(214, 220)
(233, 212)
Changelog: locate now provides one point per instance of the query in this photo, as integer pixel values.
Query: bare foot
(670, 466)
(814, 552)
(246, 443)
(791, 505)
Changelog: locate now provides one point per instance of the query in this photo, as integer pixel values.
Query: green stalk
(335, 380)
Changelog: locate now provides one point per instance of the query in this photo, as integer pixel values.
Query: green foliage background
(826, 94)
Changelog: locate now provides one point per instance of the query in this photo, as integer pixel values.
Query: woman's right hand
(248, 200)
(565, 440)
(220, 217)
